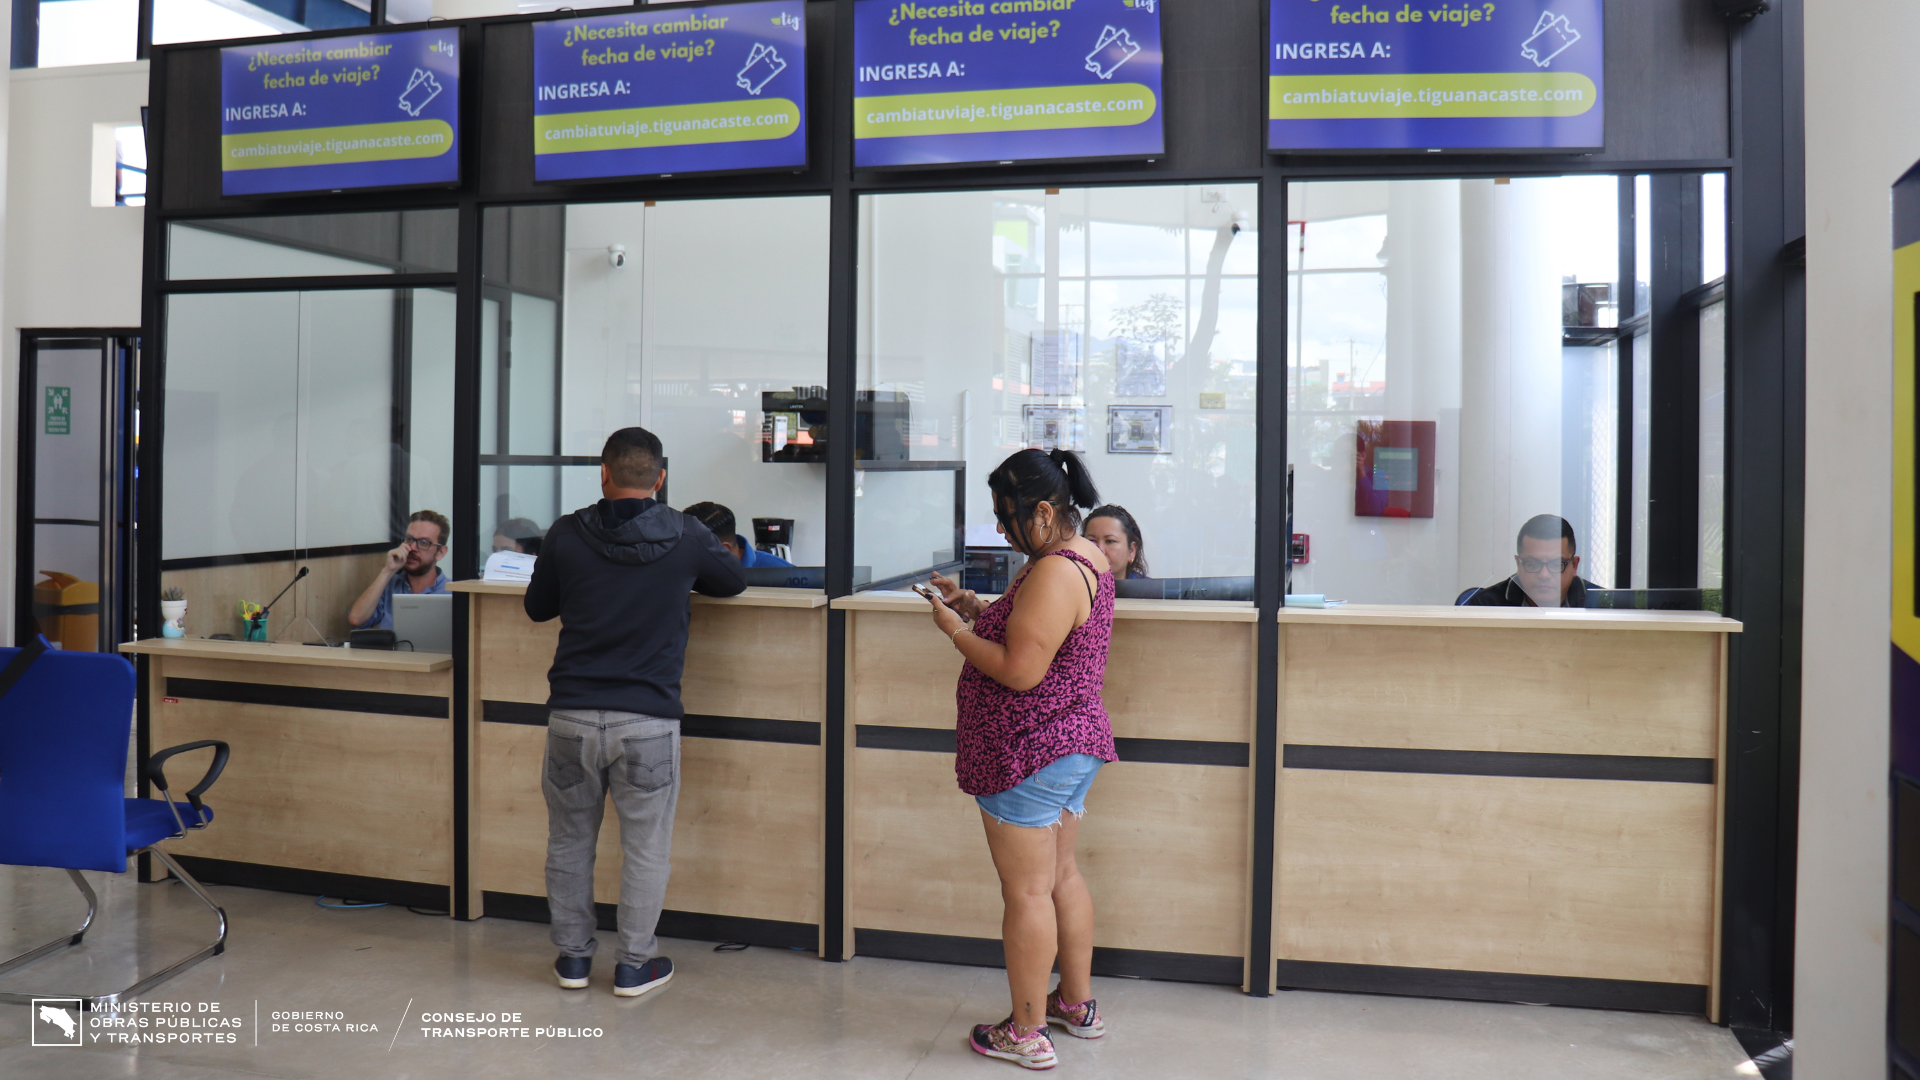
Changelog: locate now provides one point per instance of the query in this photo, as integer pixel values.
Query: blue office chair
(64, 722)
(1461, 600)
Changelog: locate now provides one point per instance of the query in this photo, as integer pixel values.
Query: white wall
(1863, 75)
(68, 263)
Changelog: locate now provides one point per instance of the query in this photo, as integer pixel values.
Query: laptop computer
(425, 619)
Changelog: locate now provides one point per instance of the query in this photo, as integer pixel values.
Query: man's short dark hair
(715, 517)
(438, 519)
(1546, 527)
(632, 457)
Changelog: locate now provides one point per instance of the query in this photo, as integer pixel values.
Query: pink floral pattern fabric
(1005, 735)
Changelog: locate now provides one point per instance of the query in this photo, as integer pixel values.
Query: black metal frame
(1765, 472)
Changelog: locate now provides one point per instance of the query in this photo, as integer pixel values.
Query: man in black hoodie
(618, 575)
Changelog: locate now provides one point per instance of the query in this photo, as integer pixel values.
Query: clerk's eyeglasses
(1534, 566)
(422, 543)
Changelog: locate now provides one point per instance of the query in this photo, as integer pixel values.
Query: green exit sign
(59, 410)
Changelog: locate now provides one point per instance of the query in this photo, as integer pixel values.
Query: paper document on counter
(510, 566)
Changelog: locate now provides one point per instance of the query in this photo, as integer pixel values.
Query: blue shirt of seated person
(412, 567)
(720, 519)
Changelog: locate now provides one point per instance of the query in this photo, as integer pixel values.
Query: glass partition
(686, 318)
(315, 245)
(1118, 322)
(302, 429)
(1461, 362)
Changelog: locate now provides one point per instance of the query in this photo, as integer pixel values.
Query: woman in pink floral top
(1032, 735)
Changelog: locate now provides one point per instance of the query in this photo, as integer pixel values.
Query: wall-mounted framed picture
(1056, 427)
(1139, 429)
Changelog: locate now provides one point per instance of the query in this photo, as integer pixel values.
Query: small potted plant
(173, 609)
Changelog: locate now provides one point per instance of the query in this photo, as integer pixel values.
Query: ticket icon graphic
(1114, 47)
(421, 88)
(763, 63)
(1552, 34)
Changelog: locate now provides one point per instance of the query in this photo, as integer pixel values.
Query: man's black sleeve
(716, 571)
(543, 592)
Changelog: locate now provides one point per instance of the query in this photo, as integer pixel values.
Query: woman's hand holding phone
(961, 600)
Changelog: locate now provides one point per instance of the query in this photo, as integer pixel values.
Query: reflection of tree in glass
(1158, 320)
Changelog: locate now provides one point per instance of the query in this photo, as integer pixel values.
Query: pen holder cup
(256, 628)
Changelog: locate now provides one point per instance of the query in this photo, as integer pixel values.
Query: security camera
(1242, 221)
(616, 255)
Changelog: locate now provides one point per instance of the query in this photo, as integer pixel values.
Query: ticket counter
(748, 834)
(1165, 840)
(1503, 804)
(341, 779)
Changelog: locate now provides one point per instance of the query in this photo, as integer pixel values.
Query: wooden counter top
(755, 596)
(1172, 610)
(1505, 618)
(269, 653)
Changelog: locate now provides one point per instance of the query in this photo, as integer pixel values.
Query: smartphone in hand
(926, 592)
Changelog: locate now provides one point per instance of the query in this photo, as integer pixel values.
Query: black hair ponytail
(1031, 477)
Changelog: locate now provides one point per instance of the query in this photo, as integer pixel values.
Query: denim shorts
(1036, 802)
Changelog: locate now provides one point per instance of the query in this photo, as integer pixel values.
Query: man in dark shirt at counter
(618, 576)
(1548, 568)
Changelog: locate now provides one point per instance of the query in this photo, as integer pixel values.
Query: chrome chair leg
(99, 1001)
(65, 941)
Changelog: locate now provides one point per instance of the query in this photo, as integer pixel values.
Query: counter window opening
(1118, 322)
(1467, 355)
(701, 320)
(304, 423)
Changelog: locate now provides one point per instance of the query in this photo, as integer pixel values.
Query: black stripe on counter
(1667, 770)
(691, 925)
(987, 952)
(926, 739)
(1158, 751)
(1494, 986)
(1183, 752)
(309, 697)
(315, 882)
(692, 725)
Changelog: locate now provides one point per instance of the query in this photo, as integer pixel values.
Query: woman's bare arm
(1052, 601)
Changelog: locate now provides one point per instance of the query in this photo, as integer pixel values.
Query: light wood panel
(1586, 878)
(341, 792)
(768, 662)
(1123, 608)
(1491, 618)
(436, 684)
(902, 670)
(746, 833)
(1547, 691)
(512, 653)
(754, 596)
(324, 595)
(1161, 849)
(304, 655)
(1181, 680)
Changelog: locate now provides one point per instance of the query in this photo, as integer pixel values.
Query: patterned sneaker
(1082, 1021)
(1033, 1050)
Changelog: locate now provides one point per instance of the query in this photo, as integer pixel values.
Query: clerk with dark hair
(1546, 564)
(618, 576)
(720, 520)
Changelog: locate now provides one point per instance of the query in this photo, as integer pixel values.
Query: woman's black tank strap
(1084, 580)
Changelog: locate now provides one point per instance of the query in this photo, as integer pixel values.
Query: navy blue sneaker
(632, 980)
(572, 971)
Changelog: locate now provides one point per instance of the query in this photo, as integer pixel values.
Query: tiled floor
(740, 1015)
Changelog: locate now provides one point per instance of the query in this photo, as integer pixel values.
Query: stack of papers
(509, 566)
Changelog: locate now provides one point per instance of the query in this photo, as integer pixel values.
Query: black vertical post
(143, 50)
(400, 452)
(467, 310)
(1626, 308)
(1270, 545)
(153, 419)
(26, 33)
(1766, 483)
(842, 382)
(1673, 472)
(377, 15)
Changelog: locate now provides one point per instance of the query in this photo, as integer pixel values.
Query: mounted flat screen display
(1000, 81)
(681, 88)
(334, 114)
(1441, 75)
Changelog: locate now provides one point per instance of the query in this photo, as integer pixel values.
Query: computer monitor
(799, 577)
(425, 619)
(1646, 599)
(1193, 588)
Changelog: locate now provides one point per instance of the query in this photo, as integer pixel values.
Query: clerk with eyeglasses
(413, 566)
(1547, 566)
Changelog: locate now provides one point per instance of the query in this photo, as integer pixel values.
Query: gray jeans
(637, 757)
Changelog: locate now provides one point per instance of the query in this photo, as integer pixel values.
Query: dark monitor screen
(799, 577)
(1193, 588)
(1646, 599)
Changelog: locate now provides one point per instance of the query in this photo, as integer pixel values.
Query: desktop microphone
(296, 580)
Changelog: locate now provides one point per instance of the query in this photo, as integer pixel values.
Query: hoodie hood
(635, 541)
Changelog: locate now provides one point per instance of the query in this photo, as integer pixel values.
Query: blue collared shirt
(752, 556)
(383, 611)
